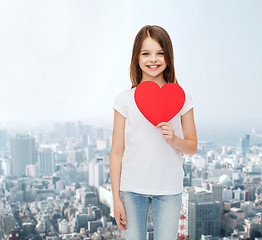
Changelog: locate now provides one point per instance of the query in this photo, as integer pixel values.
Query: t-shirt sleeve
(121, 104)
(187, 105)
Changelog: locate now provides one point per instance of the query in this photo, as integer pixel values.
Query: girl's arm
(188, 145)
(117, 150)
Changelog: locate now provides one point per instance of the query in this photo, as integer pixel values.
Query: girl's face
(151, 59)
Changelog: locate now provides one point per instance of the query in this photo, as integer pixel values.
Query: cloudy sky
(67, 60)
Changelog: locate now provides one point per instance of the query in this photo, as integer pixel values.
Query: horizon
(217, 136)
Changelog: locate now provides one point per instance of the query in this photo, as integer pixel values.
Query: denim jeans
(166, 213)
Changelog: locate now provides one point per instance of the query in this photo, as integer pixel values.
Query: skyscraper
(23, 152)
(188, 173)
(217, 190)
(96, 173)
(245, 144)
(193, 195)
(204, 219)
(46, 162)
(3, 138)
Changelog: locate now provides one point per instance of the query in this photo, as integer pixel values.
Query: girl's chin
(151, 77)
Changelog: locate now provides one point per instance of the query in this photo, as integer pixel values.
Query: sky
(67, 60)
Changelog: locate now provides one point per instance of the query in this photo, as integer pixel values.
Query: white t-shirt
(149, 165)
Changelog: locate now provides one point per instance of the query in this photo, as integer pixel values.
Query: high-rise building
(76, 157)
(94, 225)
(82, 220)
(96, 172)
(46, 162)
(100, 133)
(3, 138)
(6, 166)
(23, 152)
(204, 219)
(84, 140)
(245, 144)
(217, 190)
(187, 166)
(190, 195)
(6, 222)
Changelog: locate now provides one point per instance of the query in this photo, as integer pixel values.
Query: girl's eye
(145, 54)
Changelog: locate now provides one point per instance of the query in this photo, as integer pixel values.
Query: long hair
(161, 36)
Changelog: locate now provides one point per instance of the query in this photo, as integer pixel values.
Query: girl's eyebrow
(161, 50)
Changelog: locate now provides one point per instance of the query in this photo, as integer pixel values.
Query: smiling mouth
(153, 66)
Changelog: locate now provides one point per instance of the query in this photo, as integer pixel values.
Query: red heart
(159, 104)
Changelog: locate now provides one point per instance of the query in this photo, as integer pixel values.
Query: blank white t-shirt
(149, 165)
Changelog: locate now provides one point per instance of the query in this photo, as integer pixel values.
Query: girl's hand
(168, 132)
(120, 214)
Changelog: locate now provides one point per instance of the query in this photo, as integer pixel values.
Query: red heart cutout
(159, 104)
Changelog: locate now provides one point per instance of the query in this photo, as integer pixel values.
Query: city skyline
(46, 127)
(61, 187)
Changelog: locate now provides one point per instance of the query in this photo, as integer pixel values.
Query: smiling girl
(145, 162)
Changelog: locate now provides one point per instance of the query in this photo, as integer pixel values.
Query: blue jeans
(166, 213)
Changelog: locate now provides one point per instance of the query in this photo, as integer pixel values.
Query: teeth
(152, 66)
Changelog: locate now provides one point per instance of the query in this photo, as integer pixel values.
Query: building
(193, 195)
(245, 144)
(217, 190)
(46, 162)
(3, 138)
(232, 220)
(209, 237)
(106, 197)
(32, 170)
(63, 226)
(82, 220)
(6, 166)
(187, 166)
(23, 152)
(89, 198)
(227, 194)
(6, 222)
(204, 219)
(96, 172)
(28, 227)
(94, 225)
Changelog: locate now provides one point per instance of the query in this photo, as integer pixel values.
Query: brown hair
(161, 36)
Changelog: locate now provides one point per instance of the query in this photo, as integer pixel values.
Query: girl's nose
(153, 58)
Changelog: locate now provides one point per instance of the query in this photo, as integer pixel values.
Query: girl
(145, 162)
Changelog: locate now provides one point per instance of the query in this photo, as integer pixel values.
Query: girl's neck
(159, 80)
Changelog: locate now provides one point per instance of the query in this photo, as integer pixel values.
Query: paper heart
(159, 104)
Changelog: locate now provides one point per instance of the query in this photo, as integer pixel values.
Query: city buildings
(57, 186)
(23, 152)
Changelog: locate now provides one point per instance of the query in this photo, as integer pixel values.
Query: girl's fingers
(123, 218)
(120, 224)
(166, 132)
(161, 124)
(165, 126)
